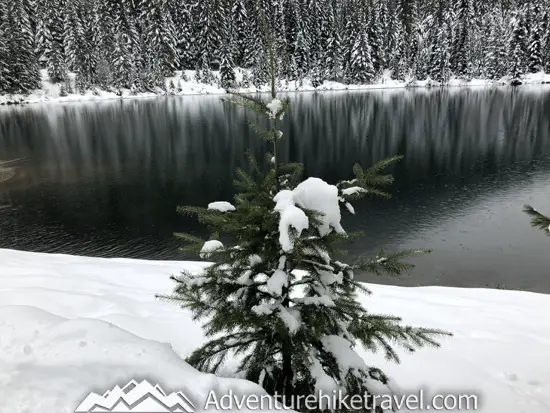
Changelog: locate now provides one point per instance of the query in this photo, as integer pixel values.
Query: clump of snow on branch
(221, 206)
(350, 208)
(317, 195)
(329, 278)
(324, 384)
(254, 260)
(312, 194)
(290, 216)
(323, 300)
(291, 317)
(345, 356)
(276, 282)
(262, 309)
(209, 247)
(353, 190)
(195, 280)
(245, 279)
(274, 108)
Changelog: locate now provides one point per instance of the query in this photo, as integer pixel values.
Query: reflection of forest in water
(104, 178)
(197, 137)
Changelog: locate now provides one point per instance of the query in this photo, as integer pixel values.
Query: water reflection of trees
(190, 138)
(142, 157)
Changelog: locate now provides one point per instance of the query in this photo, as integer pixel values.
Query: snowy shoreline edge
(178, 86)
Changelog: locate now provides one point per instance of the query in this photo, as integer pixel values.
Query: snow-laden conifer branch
(538, 220)
(367, 329)
(254, 103)
(367, 182)
(191, 240)
(389, 264)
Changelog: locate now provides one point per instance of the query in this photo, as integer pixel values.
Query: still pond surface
(104, 179)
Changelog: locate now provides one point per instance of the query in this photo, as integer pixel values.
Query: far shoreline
(50, 93)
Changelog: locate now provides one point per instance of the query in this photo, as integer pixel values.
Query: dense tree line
(136, 43)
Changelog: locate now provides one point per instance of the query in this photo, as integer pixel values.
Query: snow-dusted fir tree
(332, 53)
(496, 56)
(545, 29)
(361, 66)
(439, 60)
(4, 50)
(227, 48)
(160, 36)
(92, 40)
(239, 17)
(534, 45)
(184, 33)
(333, 56)
(227, 72)
(517, 51)
(276, 296)
(460, 55)
(54, 40)
(41, 31)
(397, 46)
(376, 41)
(209, 33)
(301, 55)
(384, 22)
(122, 62)
(421, 60)
(22, 61)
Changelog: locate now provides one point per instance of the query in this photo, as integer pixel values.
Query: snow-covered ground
(71, 325)
(178, 86)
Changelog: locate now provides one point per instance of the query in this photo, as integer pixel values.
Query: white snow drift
(72, 325)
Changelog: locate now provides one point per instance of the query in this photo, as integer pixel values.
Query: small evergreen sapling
(275, 296)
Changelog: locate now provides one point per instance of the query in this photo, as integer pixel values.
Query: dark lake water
(104, 179)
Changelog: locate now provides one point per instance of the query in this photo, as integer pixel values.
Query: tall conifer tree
(5, 79)
(24, 71)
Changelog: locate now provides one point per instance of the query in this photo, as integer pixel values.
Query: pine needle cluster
(538, 220)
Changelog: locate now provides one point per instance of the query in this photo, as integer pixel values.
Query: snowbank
(72, 325)
(179, 86)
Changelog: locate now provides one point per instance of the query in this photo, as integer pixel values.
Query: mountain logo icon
(136, 397)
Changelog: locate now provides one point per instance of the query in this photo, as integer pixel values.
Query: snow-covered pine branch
(538, 220)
